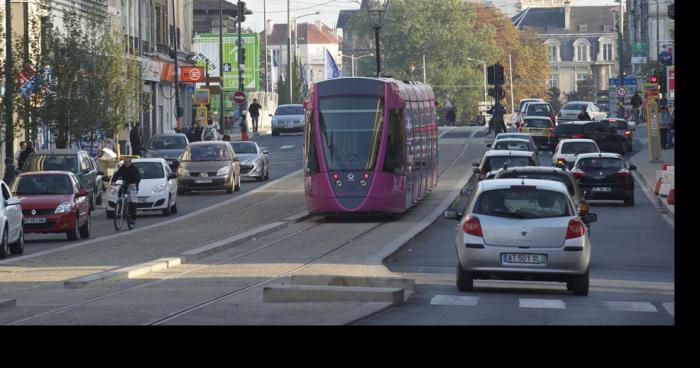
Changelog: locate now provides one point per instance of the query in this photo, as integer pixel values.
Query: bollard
(672, 197)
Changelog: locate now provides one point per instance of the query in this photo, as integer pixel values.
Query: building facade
(648, 22)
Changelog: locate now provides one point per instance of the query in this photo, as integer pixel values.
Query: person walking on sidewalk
(135, 138)
(254, 110)
(636, 104)
(664, 125)
(451, 117)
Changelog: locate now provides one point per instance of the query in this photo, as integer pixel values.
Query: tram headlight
(338, 183)
(363, 183)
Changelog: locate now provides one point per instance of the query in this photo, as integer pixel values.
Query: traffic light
(242, 55)
(653, 79)
(495, 74)
(243, 11)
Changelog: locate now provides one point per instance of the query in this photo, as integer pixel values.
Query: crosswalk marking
(454, 300)
(632, 306)
(287, 147)
(542, 303)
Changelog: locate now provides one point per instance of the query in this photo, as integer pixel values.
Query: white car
(157, 189)
(566, 151)
(517, 116)
(11, 218)
(572, 109)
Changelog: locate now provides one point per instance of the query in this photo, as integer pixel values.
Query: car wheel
(73, 234)
(18, 246)
(580, 284)
(174, 209)
(629, 201)
(238, 184)
(110, 214)
(262, 176)
(166, 211)
(85, 229)
(4, 247)
(180, 191)
(465, 280)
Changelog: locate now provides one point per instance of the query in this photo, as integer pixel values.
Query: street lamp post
(296, 35)
(353, 58)
(377, 10)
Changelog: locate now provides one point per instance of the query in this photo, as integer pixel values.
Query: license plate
(523, 258)
(203, 181)
(34, 220)
(602, 189)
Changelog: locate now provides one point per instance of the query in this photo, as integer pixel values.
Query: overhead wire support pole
(289, 50)
(221, 62)
(177, 80)
(512, 101)
(9, 96)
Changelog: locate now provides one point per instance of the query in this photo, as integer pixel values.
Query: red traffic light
(653, 79)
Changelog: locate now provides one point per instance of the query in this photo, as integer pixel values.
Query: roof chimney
(567, 15)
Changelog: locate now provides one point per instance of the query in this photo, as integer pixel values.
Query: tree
(584, 90)
(283, 87)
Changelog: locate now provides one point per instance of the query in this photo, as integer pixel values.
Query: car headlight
(158, 189)
(183, 172)
(64, 207)
(274, 121)
(223, 171)
(250, 161)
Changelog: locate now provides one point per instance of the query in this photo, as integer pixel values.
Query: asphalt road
(285, 154)
(632, 277)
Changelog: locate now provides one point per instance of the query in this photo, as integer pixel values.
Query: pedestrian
(22, 147)
(636, 104)
(244, 128)
(136, 140)
(664, 125)
(583, 115)
(123, 137)
(451, 117)
(24, 155)
(254, 110)
(671, 130)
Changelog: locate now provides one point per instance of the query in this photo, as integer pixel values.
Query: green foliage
(584, 90)
(283, 87)
(554, 98)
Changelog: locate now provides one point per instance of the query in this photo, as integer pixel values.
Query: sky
(277, 10)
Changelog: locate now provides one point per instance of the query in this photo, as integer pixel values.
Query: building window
(552, 53)
(553, 47)
(607, 49)
(583, 27)
(581, 48)
(554, 81)
(607, 52)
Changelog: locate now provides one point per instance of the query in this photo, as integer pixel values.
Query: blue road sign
(190, 88)
(227, 67)
(628, 81)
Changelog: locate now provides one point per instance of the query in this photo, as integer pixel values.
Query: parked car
(77, 162)
(566, 151)
(494, 160)
(211, 165)
(624, 129)
(522, 229)
(288, 119)
(513, 144)
(537, 127)
(157, 189)
(572, 109)
(11, 221)
(255, 163)
(605, 176)
(167, 146)
(53, 202)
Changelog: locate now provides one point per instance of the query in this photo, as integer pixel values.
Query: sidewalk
(646, 171)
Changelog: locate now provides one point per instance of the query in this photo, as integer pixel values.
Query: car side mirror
(172, 175)
(452, 215)
(265, 152)
(590, 217)
(632, 167)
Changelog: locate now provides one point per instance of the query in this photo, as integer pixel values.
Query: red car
(53, 202)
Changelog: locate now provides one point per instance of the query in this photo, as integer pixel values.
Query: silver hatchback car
(522, 229)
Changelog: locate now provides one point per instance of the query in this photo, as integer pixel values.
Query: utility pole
(241, 61)
(221, 62)
(9, 96)
(512, 101)
(424, 75)
(289, 50)
(621, 76)
(178, 115)
(267, 76)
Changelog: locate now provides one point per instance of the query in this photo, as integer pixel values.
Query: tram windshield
(350, 131)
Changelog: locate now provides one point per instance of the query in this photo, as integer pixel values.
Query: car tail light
(472, 226)
(552, 117)
(628, 132)
(520, 129)
(574, 230)
(623, 172)
(579, 135)
(552, 135)
(578, 173)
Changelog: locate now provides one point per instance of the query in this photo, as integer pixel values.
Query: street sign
(201, 114)
(190, 89)
(239, 97)
(200, 97)
(227, 67)
(671, 82)
(192, 74)
(621, 91)
(653, 131)
(639, 53)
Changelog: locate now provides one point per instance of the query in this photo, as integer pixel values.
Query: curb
(224, 244)
(659, 201)
(354, 281)
(8, 303)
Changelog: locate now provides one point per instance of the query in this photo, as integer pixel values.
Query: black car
(604, 135)
(623, 129)
(75, 161)
(605, 176)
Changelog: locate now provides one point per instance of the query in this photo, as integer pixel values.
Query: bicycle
(120, 214)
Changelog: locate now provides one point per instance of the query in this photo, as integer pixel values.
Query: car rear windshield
(209, 152)
(241, 147)
(618, 124)
(522, 103)
(43, 185)
(168, 142)
(523, 203)
(562, 178)
(539, 110)
(575, 106)
(498, 162)
(568, 129)
(538, 123)
(39, 162)
(578, 147)
(512, 146)
(290, 110)
(600, 163)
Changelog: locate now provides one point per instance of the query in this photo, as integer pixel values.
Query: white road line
(631, 306)
(470, 301)
(287, 147)
(670, 308)
(542, 303)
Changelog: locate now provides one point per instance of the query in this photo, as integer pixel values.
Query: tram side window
(393, 160)
(311, 164)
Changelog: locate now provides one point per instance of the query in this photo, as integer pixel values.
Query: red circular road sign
(621, 91)
(239, 97)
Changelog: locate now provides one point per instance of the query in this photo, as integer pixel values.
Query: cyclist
(130, 175)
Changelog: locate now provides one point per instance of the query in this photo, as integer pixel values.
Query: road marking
(631, 306)
(670, 308)
(542, 303)
(454, 300)
(287, 147)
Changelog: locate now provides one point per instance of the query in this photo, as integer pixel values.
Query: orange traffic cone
(657, 187)
(672, 197)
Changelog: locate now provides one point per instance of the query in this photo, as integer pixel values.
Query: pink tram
(370, 146)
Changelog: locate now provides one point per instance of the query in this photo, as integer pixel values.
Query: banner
(332, 70)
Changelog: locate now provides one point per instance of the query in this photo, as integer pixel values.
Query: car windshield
(523, 203)
(512, 146)
(498, 162)
(575, 106)
(43, 185)
(578, 147)
(600, 163)
(168, 142)
(243, 147)
(39, 162)
(150, 170)
(562, 178)
(290, 110)
(539, 110)
(208, 152)
(537, 123)
(522, 104)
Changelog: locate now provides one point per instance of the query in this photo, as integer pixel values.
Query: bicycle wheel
(130, 222)
(119, 214)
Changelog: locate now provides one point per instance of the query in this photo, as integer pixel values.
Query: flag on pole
(332, 70)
